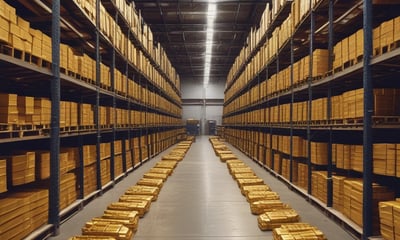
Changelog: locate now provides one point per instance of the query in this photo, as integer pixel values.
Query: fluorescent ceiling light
(211, 14)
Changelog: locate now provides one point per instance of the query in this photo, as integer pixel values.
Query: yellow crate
(3, 175)
(23, 168)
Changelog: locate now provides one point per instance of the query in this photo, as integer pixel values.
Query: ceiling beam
(206, 1)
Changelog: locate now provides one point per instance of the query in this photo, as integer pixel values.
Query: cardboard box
(345, 50)
(25, 105)
(3, 175)
(43, 164)
(396, 35)
(23, 168)
(338, 60)
(387, 34)
(376, 40)
(16, 42)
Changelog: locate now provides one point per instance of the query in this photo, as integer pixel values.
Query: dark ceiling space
(180, 26)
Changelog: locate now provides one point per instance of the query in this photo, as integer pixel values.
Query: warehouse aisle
(201, 201)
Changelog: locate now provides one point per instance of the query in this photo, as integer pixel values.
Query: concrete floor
(201, 201)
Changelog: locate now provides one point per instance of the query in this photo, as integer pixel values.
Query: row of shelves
(272, 17)
(110, 103)
(120, 27)
(24, 43)
(25, 175)
(342, 192)
(344, 109)
(280, 22)
(344, 155)
(128, 17)
(23, 116)
(283, 74)
(325, 74)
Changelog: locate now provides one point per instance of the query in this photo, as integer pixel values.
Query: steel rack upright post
(54, 191)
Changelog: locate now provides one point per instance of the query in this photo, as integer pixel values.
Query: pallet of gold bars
(141, 206)
(275, 218)
(91, 237)
(386, 120)
(132, 217)
(298, 231)
(115, 230)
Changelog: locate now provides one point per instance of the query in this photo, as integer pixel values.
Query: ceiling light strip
(211, 14)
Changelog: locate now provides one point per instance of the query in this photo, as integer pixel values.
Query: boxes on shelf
(353, 201)
(397, 160)
(105, 170)
(319, 153)
(90, 181)
(302, 175)
(46, 48)
(23, 212)
(396, 25)
(42, 111)
(68, 189)
(338, 192)
(389, 216)
(8, 108)
(25, 109)
(386, 34)
(22, 168)
(4, 29)
(3, 175)
(63, 57)
(319, 183)
(43, 164)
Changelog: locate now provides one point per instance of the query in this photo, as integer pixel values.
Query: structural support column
(291, 109)
(97, 108)
(367, 131)
(54, 191)
(329, 108)
(112, 157)
(310, 97)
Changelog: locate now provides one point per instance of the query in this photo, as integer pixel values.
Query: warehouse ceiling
(180, 26)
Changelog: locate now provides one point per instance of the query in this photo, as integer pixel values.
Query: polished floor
(201, 201)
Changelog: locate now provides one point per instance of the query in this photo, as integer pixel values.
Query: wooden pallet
(86, 127)
(386, 120)
(353, 121)
(386, 48)
(69, 129)
(12, 52)
(20, 130)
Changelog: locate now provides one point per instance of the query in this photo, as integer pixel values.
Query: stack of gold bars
(389, 214)
(273, 213)
(120, 220)
(297, 231)
(275, 218)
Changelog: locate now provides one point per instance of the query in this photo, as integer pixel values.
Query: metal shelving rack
(65, 87)
(324, 16)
